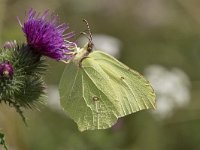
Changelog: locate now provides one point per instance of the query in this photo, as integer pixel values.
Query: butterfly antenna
(90, 44)
(88, 28)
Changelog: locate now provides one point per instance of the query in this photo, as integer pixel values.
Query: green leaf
(99, 89)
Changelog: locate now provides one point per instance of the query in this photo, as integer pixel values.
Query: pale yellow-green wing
(102, 90)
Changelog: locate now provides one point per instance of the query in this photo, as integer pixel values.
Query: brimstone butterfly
(96, 90)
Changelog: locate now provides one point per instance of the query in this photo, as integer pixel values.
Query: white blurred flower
(106, 43)
(172, 88)
(53, 97)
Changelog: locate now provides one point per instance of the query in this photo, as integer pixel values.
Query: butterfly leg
(80, 62)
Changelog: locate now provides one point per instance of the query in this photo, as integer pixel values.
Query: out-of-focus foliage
(153, 32)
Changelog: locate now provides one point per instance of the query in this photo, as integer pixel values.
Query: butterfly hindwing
(84, 100)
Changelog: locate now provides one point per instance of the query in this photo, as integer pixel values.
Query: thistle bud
(6, 70)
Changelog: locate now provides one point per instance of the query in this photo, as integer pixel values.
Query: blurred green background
(159, 38)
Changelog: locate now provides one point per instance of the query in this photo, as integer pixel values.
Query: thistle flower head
(6, 70)
(45, 37)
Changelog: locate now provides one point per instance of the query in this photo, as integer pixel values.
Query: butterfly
(96, 89)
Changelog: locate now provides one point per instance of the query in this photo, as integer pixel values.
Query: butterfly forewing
(133, 91)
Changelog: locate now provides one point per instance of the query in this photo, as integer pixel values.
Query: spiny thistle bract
(21, 71)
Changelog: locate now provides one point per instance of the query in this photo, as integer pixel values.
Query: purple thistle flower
(47, 38)
(6, 70)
